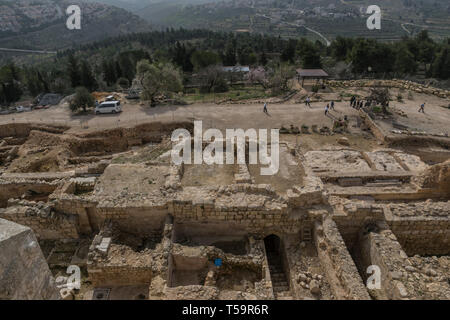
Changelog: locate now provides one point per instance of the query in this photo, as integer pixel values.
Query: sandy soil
(436, 119)
(289, 173)
(204, 175)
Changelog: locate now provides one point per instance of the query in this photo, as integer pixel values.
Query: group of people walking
(358, 104)
(329, 106)
(354, 103)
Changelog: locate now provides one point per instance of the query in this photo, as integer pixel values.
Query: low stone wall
(338, 265)
(426, 237)
(255, 207)
(422, 228)
(17, 188)
(395, 83)
(311, 193)
(120, 276)
(253, 219)
(381, 249)
(15, 130)
(87, 224)
(46, 223)
(113, 263)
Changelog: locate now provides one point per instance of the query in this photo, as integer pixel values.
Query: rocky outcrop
(24, 273)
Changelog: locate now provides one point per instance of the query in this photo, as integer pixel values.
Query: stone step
(280, 284)
(280, 288)
(283, 297)
(278, 278)
(278, 275)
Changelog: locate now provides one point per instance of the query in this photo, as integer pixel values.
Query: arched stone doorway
(273, 244)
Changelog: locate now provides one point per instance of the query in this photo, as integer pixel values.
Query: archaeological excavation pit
(290, 172)
(205, 175)
(188, 270)
(228, 238)
(144, 228)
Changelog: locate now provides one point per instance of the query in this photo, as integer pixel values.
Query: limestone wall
(422, 228)
(14, 130)
(395, 83)
(253, 219)
(87, 223)
(355, 216)
(46, 223)
(16, 188)
(136, 220)
(120, 276)
(338, 265)
(111, 262)
(382, 249)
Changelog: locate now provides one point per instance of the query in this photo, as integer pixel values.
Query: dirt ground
(213, 116)
(289, 173)
(435, 119)
(136, 178)
(204, 175)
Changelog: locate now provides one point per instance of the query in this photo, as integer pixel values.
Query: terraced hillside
(311, 18)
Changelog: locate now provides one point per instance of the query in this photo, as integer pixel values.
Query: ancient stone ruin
(113, 204)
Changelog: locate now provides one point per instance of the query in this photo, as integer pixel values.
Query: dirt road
(213, 116)
(435, 120)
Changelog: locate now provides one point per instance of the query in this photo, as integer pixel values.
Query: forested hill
(41, 24)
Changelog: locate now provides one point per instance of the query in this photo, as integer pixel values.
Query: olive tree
(158, 79)
(82, 100)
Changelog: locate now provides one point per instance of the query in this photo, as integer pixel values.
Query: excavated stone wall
(338, 265)
(46, 223)
(13, 189)
(422, 228)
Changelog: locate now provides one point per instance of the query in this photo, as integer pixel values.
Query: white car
(20, 109)
(108, 107)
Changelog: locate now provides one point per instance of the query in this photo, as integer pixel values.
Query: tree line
(112, 63)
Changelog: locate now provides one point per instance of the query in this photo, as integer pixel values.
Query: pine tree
(73, 71)
(87, 78)
(230, 56)
(11, 90)
(263, 59)
(441, 67)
